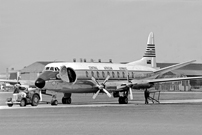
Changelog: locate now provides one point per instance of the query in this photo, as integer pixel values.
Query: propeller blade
(95, 95)
(131, 93)
(127, 75)
(95, 81)
(108, 94)
(106, 79)
(40, 95)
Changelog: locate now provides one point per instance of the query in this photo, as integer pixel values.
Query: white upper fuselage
(101, 70)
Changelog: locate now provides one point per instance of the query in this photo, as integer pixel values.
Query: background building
(32, 71)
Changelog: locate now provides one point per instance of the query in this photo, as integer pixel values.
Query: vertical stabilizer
(149, 58)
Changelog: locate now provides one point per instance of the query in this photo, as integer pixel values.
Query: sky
(61, 30)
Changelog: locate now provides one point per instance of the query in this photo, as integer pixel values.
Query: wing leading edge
(173, 79)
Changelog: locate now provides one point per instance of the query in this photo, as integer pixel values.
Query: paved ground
(166, 119)
(105, 116)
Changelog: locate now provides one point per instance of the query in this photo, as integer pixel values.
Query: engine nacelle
(67, 74)
(142, 85)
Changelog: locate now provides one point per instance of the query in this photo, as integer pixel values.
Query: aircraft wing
(9, 81)
(173, 79)
(24, 83)
(173, 67)
(148, 83)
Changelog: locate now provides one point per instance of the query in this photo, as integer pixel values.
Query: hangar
(31, 72)
(191, 70)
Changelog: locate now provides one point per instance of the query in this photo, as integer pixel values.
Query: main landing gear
(123, 98)
(67, 98)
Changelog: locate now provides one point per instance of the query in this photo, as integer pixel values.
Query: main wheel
(35, 100)
(66, 100)
(123, 100)
(120, 100)
(23, 102)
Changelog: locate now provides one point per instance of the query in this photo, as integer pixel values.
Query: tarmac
(181, 116)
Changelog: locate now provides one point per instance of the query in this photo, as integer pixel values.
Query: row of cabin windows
(112, 74)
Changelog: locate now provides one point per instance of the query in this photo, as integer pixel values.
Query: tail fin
(149, 58)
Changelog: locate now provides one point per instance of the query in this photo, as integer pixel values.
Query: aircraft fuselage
(79, 76)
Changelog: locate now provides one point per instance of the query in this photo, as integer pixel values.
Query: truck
(28, 96)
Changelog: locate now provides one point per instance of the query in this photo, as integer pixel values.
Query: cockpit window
(47, 68)
(52, 69)
(56, 69)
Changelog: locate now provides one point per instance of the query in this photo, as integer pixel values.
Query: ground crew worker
(23, 91)
(146, 95)
(16, 88)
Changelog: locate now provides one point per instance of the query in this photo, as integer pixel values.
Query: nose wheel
(54, 100)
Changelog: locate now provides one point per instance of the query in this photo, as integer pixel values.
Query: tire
(123, 100)
(120, 100)
(10, 105)
(66, 100)
(69, 101)
(23, 103)
(54, 102)
(35, 100)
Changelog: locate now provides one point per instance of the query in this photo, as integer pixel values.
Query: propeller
(129, 86)
(40, 94)
(101, 87)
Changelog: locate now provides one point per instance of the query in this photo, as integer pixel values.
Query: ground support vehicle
(31, 96)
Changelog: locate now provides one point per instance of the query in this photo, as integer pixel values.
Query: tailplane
(149, 58)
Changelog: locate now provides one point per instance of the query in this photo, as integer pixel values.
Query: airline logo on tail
(149, 57)
(150, 51)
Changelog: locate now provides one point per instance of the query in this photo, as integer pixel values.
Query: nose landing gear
(54, 100)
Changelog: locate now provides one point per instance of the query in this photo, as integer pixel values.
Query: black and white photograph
(95, 67)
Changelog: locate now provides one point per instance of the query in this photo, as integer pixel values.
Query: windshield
(51, 69)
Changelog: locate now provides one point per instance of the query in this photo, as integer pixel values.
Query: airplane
(119, 79)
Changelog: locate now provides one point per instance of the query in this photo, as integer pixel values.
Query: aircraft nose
(40, 83)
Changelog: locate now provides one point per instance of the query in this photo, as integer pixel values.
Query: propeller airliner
(110, 78)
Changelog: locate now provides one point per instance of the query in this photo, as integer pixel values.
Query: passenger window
(98, 74)
(108, 73)
(113, 74)
(103, 74)
(92, 73)
(118, 74)
(86, 73)
(132, 74)
(123, 74)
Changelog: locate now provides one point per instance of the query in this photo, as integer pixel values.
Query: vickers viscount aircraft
(119, 79)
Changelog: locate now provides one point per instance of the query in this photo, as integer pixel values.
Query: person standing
(146, 95)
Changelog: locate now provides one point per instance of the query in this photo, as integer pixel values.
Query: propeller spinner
(101, 87)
